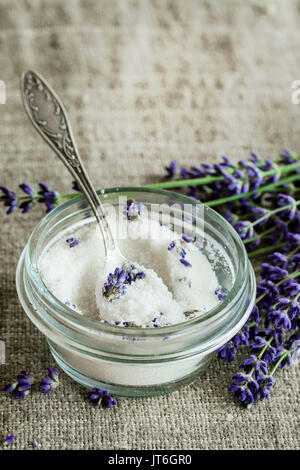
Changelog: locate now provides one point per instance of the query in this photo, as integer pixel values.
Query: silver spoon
(49, 117)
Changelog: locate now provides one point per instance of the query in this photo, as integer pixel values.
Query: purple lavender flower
(9, 388)
(171, 245)
(172, 169)
(9, 439)
(98, 396)
(254, 316)
(221, 292)
(266, 384)
(256, 346)
(185, 262)
(284, 200)
(133, 210)
(273, 273)
(227, 352)
(186, 238)
(244, 388)
(242, 395)
(253, 363)
(69, 304)
(293, 239)
(21, 388)
(230, 217)
(277, 258)
(72, 242)
(254, 158)
(267, 292)
(294, 314)
(287, 156)
(290, 288)
(115, 287)
(180, 250)
(9, 198)
(51, 382)
(244, 229)
(50, 198)
(242, 337)
(134, 274)
(279, 316)
(292, 345)
(190, 313)
(27, 189)
(26, 205)
(255, 175)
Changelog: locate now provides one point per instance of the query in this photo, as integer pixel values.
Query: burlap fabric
(144, 82)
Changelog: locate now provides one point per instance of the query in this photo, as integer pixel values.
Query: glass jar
(134, 361)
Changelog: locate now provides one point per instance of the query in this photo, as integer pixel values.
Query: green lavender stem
(265, 250)
(212, 179)
(217, 202)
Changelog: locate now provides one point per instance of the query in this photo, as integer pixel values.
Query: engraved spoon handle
(49, 117)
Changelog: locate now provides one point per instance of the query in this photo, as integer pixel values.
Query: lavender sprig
(275, 316)
(25, 381)
(25, 203)
(21, 388)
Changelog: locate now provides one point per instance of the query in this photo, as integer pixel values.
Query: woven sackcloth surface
(145, 82)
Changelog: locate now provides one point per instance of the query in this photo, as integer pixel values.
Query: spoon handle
(49, 117)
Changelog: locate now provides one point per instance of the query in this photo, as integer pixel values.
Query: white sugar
(169, 289)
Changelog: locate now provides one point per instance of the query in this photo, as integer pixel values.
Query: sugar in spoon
(47, 114)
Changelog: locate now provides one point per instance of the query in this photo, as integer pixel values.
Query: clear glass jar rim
(92, 324)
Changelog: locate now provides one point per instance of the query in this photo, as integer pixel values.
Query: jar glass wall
(137, 361)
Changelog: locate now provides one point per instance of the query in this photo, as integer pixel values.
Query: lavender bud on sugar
(180, 250)
(116, 283)
(69, 304)
(133, 210)
(221, 293)
(72, 242)
(185, 262)
(114, 286)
